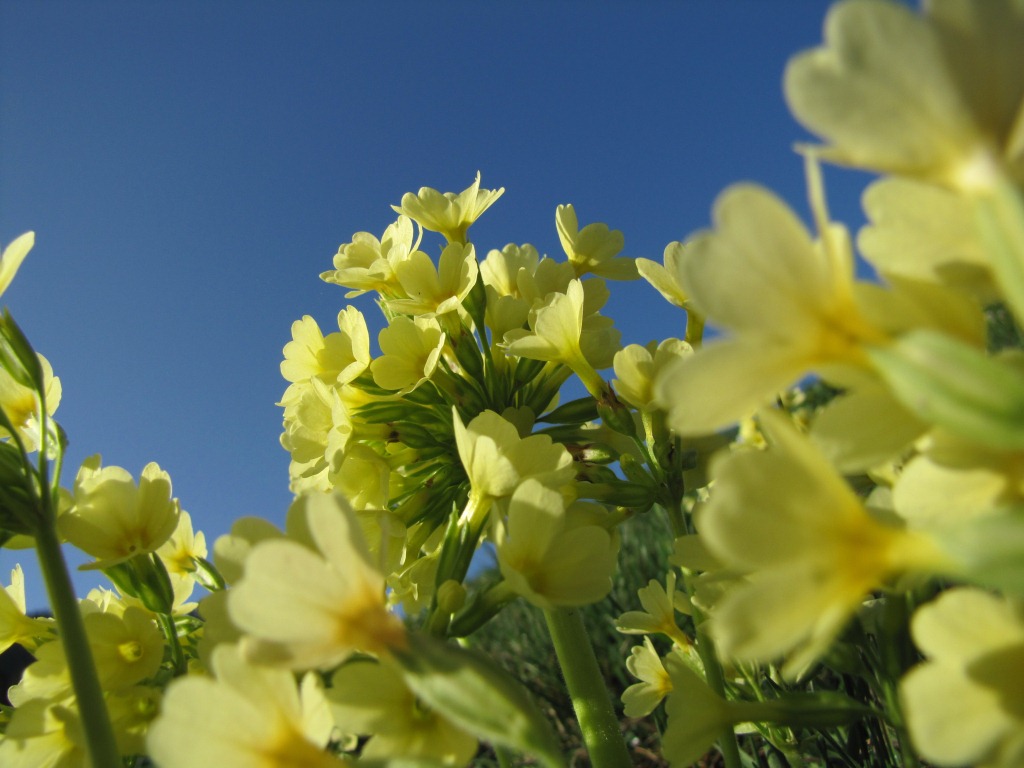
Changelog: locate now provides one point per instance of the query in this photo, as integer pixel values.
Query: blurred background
(190, 168)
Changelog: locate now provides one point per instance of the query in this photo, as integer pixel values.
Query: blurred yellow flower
(15, 626)
(935, 96)
(811, 550)
(246, 716)
(963, 704)
(13, 255)
(306, 608)
(370, 699)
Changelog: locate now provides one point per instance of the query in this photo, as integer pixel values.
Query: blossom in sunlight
(179, 554)
(335, 358)
(15, 626)
(13, 255)
(368, 264)
(245, 716)
(370, 699)
(665, 278)
(304, 607)
(317, 428)
(113, 519)
(935, 96)
(560, 333)
(431, 290)
(963, 704)
(593, 249)
(411, 350)
(636, 368)
(811, 550)
(449, 213)
(497, 460)
(553, 555)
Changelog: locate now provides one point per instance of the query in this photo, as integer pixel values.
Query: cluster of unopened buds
(839, 471)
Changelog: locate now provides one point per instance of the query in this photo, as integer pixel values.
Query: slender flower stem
(91, 706)
(586, 686)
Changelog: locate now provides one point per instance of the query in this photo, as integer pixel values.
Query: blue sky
(191, 167)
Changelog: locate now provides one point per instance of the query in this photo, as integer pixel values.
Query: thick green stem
(91, 706)
(586, 686)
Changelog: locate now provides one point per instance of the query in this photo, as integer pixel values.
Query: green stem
(91, 706)
(170, 631)
(586, 686)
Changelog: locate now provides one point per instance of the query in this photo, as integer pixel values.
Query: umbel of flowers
(839, 470)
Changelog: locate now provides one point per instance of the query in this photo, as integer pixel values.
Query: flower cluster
(839, 471)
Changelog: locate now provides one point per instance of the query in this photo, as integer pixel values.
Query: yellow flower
(15, 626)
(963, 704)
(336, 358)
(13, 255)
(935, 97)
(637, 367)
(244, 717)
(640, 699)
(317, 428)
(305, 607)
(370, 699)
(593, 249)
(551, 555)
(560, 331)
(113, 519)
(449, 213)
(435, 291)
(497, 460)
(21, 403)
(812, 551)
(658, 616)
(665, 279)
(368, 264)
(411, 350)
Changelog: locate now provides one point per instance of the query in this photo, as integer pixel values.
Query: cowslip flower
(664, 278)
(368, 264)
(658, 616)
(304, 607)
(593, 249)
(644, 663)
(371, 699)
(449, 213)
(336, 358)
(434, 291)
(244, 716)
(561, 332)
(811, 550)
(21, 404)
(12, 256)
(15, 626)
(551, 555)
(963, 704)
(411, 350)
(113, 519)
(497, 460)
(935, 97)
(637, 367)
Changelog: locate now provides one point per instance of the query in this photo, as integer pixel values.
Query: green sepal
(823, 709)
(948, 383)
(207, 575)
(479, 697)
(18, 512)
(17, 355)
(573, 412)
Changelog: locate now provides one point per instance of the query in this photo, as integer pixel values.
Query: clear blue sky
(191, 167)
